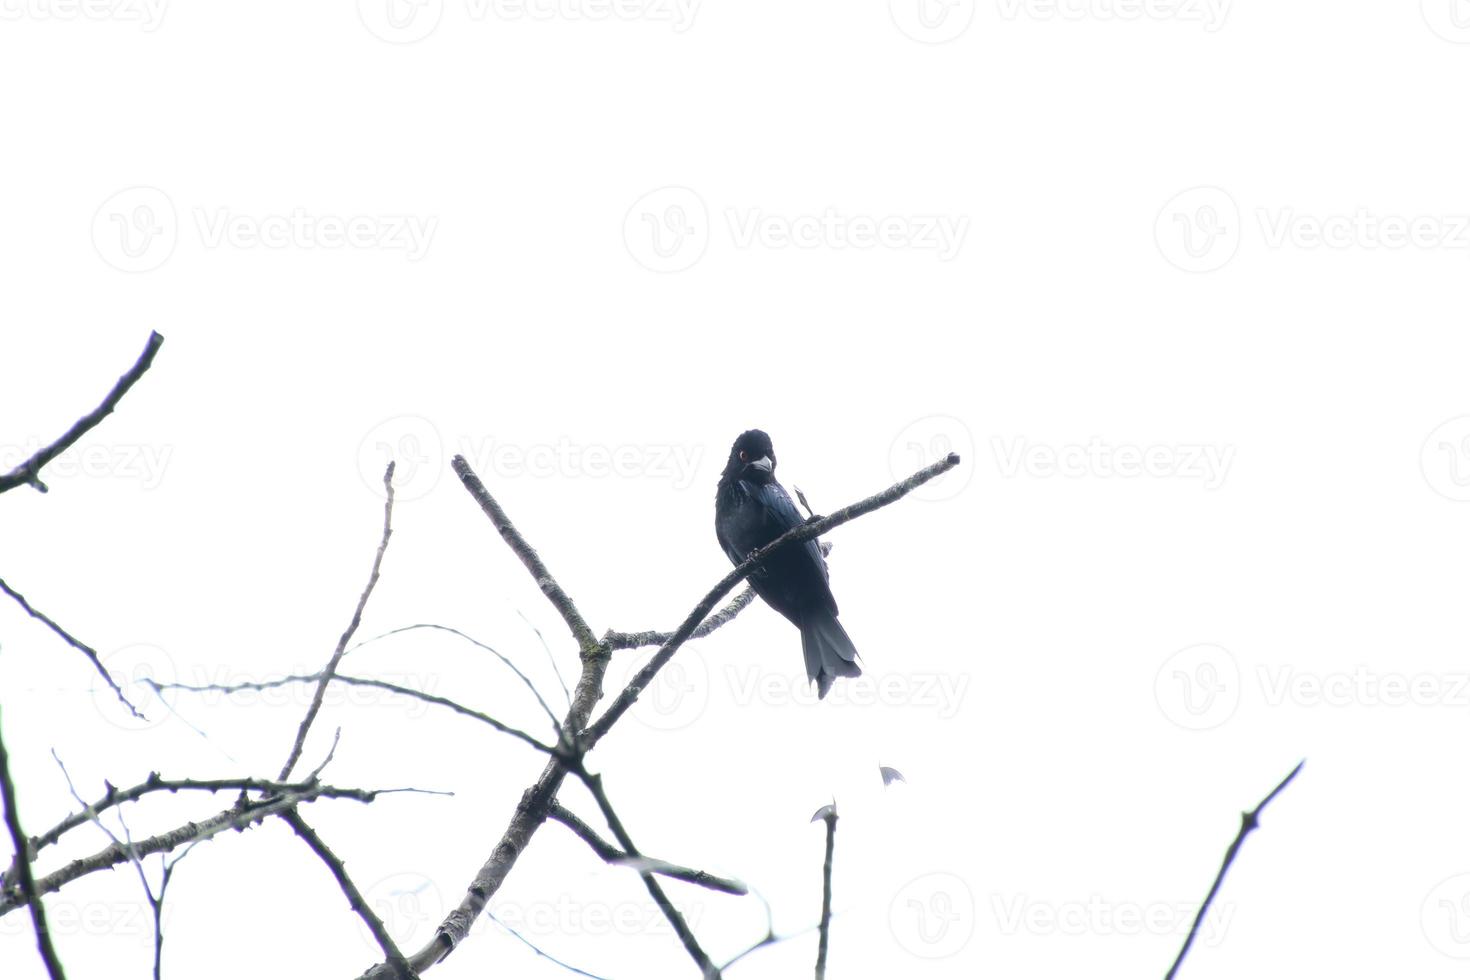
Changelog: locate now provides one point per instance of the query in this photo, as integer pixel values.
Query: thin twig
(802, 532)
(555, 722)
(553, 591)
(331, 668)
(237, 817)
(828, 814)
(352, 681)
(354, 897)
(29, 892)
(550, 657)
(1248, 822)
(612, 855)
(90, 653)
(653, 638)
(593, 782)
(29, 472)
(543, 953)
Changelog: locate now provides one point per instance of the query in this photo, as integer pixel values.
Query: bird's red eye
(742, 456)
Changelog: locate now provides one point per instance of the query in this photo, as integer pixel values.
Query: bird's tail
(828, 651)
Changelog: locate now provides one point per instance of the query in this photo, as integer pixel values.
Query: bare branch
(828, 814)
(801, 532)
(73, 641)
(555, 722)
(612, 855)
(331, 668)
(651, 638)
(29, 892)
(535, 802)
(237, 817)
(586, 642)
(1248, 822)
(354, 897)
(350, 680)
(701, 959)
(29, 472)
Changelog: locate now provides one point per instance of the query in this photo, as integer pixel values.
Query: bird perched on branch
(752, 510)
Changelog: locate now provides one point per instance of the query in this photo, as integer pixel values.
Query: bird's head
(751, 458)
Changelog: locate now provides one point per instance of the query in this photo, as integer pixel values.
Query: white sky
(1063, 236)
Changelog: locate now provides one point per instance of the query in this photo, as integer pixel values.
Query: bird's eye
(743, 457)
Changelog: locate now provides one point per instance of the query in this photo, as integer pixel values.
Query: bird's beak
(763, 464)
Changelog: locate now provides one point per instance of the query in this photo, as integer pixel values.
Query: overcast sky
(1181, 281)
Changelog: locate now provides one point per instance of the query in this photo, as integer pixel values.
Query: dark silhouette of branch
(350, 680)
(354, 897)
(531, 812)
(331, 668)
(650, 638)
(593, 782)
(29, 893)
(612, 855)
(29, 472)
(553, 591)
(555, 722)
(243, 814)
(1248, 822)
(156, 784)
(803, 532)
(828, 814)
(73, 641)
(543, 953)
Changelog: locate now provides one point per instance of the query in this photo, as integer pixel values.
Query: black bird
(751, 510)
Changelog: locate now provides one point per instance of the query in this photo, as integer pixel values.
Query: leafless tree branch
(553, 591)
(331, 668)
(543, 953)
(531, 812)
(1248, 822)
(354, 897)
(651, 638)
(612, 855)
(29, 472)
(90, 653)
(829, 815)
(29, 892)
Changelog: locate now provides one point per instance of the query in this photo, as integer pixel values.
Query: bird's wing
(782, 514)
